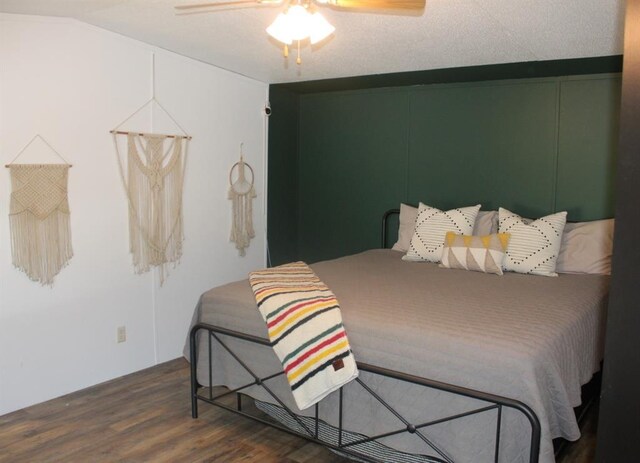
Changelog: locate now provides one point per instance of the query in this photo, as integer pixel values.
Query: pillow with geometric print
(534, 246)
(431, 227)
(475, 253)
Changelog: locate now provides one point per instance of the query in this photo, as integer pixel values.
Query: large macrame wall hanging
(241, 194)
(39, 217)
(153, 184)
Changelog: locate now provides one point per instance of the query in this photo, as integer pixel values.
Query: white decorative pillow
(586, 248)
(408, 215)
(431, 227)
(534, 247)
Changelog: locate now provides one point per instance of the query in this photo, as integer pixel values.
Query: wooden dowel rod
(119, 132)
(49, 164)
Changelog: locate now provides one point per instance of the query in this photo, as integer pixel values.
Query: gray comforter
(531, 338)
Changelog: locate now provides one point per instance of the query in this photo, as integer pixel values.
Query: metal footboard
(495, 404)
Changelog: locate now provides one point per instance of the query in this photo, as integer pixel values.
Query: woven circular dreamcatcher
(241, 193)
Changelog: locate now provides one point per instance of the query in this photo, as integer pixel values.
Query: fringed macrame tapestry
(39, 220)
(154, 189)
(241, 193)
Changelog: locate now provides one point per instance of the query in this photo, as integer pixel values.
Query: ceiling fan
(300, 21)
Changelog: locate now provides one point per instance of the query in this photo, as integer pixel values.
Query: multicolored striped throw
(305, 329)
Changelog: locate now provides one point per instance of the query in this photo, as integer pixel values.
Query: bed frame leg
(194, 379)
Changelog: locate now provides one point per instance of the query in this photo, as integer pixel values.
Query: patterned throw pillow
(476, 253)
(431, 227)
(534, 246)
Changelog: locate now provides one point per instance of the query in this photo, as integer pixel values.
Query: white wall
(72, 83)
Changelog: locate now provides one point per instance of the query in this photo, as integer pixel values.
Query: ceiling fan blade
(378, 4)
(233, 2)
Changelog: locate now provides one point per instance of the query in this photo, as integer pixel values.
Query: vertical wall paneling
(532, 145)
(489, 143)
(352, 165)
(221, 110)
(589, 113)
(283, 176)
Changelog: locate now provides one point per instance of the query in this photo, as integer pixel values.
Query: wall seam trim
(408, 147)
(154, 273)
(557, 148)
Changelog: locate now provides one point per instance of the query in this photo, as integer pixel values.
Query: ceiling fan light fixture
(297, 23)
(319, 28)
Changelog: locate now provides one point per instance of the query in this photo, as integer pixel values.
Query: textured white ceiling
(450, 33)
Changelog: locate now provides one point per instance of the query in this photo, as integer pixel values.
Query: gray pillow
(408, 215)
(586, 248)
(486, 223)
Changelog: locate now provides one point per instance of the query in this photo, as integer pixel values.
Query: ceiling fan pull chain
(286, 50)
(298, 60)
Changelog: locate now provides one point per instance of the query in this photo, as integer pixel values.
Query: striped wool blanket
(305, 329)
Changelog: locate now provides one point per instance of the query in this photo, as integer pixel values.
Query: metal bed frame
(494, 403)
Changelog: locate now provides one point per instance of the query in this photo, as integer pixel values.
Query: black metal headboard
(385, 218)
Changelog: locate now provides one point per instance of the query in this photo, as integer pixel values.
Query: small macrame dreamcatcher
(241, 194)
(39, 217)
(153, 184)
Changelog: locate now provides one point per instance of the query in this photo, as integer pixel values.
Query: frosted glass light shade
(299, 19)
(279, 29)
(319, 28)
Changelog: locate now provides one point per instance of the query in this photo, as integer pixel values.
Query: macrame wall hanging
(39, 217)
(153, 185)
(241, 194)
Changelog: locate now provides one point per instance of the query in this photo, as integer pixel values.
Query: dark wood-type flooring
(146, 417)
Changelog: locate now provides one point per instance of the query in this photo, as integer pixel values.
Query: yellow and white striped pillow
(476, 253)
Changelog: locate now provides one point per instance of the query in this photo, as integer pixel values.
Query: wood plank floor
(146, 417)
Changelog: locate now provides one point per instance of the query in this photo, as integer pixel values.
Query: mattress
(530, 338)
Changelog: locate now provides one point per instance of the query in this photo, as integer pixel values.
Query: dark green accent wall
(353, 166)
(588, 139)
(492, 144)
(282, 198)
(532, 145)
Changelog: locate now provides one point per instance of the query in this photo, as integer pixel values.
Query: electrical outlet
(122, 333)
